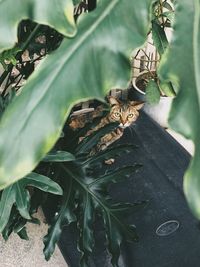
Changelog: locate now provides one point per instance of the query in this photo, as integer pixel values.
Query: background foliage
(181, 65)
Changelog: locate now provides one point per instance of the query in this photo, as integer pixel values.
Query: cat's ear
(137, 104)
(113, 101)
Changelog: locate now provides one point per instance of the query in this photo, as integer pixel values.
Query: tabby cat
(125, 113)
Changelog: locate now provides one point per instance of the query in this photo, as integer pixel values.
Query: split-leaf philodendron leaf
(181, 64)
(84, 67)
(86, 182)
(57, 14)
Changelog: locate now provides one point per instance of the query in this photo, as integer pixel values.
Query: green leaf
(167, 88)
(56, 14)
(64, 216)
(113, 177)
(23, 234)
(85, 196)
(9, 56)
(42, 182)
(15, 223)
(159, 37)
(181, 65)
(19, 195)
(115, 231)
(115, 228)
(58, 156)
(152, 93)
(114, 151)
(40, 110)
(85, 226)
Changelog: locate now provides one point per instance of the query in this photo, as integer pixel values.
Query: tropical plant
(93, 58)
(162, 17)
(85, 183)
(85, 195)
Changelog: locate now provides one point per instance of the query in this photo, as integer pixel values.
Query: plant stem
(7, 83)
(161, 12)
(29, 39)
(24, 46)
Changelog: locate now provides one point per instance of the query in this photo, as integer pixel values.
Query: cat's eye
(117, 114)
(130, 115)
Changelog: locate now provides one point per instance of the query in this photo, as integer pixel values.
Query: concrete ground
(21, 253)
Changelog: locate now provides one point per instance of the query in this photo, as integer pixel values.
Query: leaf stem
(23, 48)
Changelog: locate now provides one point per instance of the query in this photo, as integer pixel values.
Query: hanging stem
(161, 12)
(23, 48)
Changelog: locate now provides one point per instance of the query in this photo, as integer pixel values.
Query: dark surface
(159, 181)
(91, 5)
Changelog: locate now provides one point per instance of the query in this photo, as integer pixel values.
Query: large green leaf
(58, 14)
(85, 195)
(90, 199)
(19, 195)
(87, 66)
(182, 65)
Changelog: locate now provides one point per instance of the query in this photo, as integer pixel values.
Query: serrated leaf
(115, 231)
(58, 156)
(41, 11)
(181, 65)
(114, 151)
(85, 196)
(90, 192)
(113, 176)
(40, 110)
(152, 93)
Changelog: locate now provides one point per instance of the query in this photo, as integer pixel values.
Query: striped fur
(125, 113)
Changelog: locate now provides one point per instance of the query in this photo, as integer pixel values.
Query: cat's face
(124, 113)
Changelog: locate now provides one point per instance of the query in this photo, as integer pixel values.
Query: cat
(125, 113)
(79, 119)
